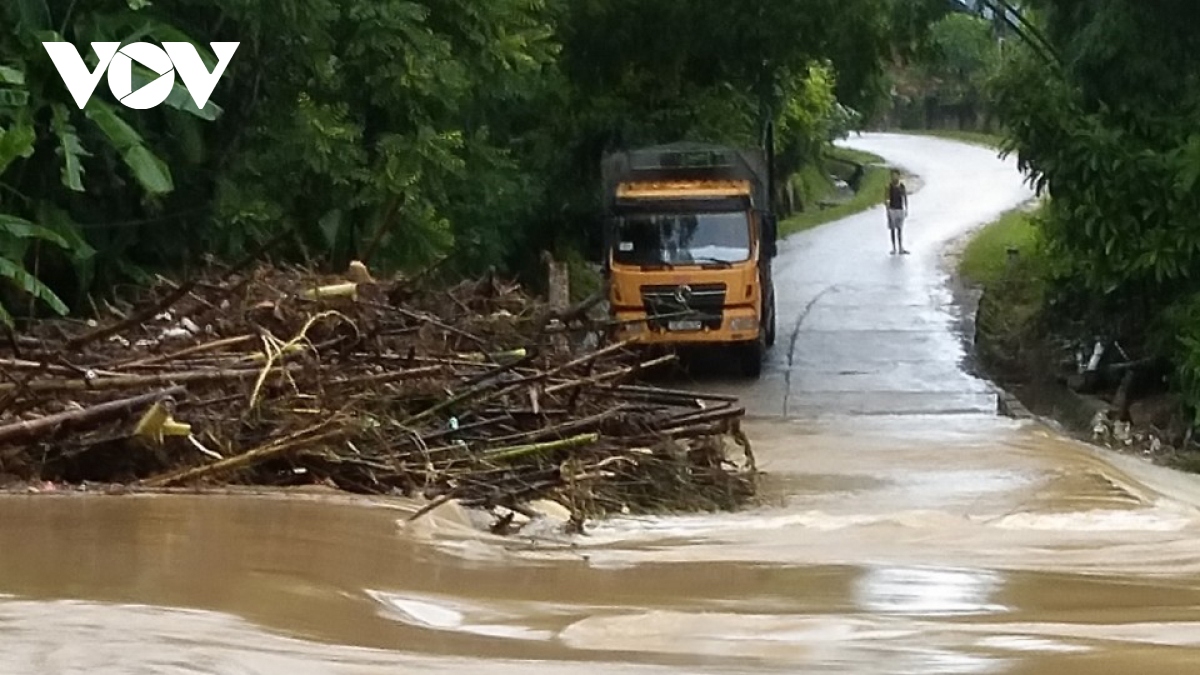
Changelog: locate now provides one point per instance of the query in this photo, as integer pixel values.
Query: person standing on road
(895, 198)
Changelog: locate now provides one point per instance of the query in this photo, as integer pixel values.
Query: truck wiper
(723, 264)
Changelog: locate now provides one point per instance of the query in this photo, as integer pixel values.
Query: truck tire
(752, 358)
(770, 330)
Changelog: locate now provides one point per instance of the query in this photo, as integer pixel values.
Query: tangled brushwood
(281, 377)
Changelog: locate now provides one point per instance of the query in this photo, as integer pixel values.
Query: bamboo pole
(563, 429)
(415, 316)
(482, 388)
(611, 375)
(25, 430)
(537, 448)
(680, 393)
(79, 341)
(195, 349)
(23, 364)
(262, 453)
(135, 381)
(384, 378)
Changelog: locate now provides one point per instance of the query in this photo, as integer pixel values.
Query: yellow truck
(689, 239)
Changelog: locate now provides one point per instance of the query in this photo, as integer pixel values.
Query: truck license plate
(684, 325)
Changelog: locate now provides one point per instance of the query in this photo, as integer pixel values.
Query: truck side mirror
(606, 244)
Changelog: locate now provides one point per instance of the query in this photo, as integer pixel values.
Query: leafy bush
(1109, 131)
(16, 236)
(1182, 323)
(1111, 136)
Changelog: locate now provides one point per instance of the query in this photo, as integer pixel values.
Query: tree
(1111, 135)
(967, 56)
(1109, 132)
(387, 117)
(950, 72)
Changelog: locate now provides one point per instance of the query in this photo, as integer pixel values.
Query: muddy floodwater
(904, 527)
(971, 545)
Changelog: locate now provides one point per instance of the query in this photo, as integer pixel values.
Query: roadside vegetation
(402, 133)
(1005, 260)
(1105, 294)
(865, 177)
(986, 139)
(987, 256)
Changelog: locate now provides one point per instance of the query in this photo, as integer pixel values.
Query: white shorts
(895, 218)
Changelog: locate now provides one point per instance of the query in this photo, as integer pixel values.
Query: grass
(869, 194)
(812, 184)
(972, 137)
(1013, 292)
(852, 155)
(985, 259)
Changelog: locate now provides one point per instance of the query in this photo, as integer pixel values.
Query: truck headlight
(743, 323)
(635, 327)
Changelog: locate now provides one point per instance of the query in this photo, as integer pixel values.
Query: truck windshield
(682, 239)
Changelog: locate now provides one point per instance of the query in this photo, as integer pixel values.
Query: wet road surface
(865, 332)
(905, 529)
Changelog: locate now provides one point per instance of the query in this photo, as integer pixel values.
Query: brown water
(905, 545)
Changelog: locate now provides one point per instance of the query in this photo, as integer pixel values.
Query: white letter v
(73, 70)
(199, 82)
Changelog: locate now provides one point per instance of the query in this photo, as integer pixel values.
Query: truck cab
(689, 242)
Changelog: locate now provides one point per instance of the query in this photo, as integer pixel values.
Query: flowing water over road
(906, 529)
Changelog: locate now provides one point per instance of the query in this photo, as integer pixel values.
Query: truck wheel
(771, 327)
(752, 358)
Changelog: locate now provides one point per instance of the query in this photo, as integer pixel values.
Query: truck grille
(702, 302)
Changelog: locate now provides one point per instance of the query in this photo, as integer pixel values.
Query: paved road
(865, 332)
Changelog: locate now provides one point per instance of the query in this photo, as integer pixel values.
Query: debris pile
(282, 377)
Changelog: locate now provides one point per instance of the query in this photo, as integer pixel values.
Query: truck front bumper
(738, 324)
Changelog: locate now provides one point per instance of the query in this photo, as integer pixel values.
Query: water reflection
(928, 591)
(817, 643)
(457, 615)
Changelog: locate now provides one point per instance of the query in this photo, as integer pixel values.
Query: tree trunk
(559, 290)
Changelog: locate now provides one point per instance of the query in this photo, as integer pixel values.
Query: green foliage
(951, 70)
(1110, 132)
(1115, 147)
(15, 237)
(967, 54)
(875, 178)
(70, 149)
(584, 278)
(61, 163)
(807, 119)
(810, 186)
(985, 259)
(1182, 321)
(1012, 309)
(148, 170)
(637, 72)
(910, 25)
(405, 131)
(377, 156)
